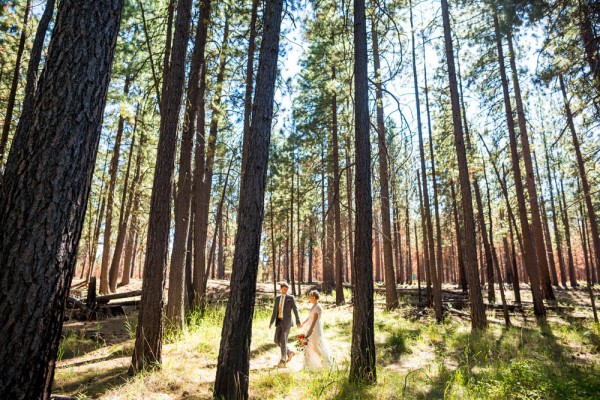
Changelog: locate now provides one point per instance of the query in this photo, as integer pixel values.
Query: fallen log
(85, 313)
(106, 298)
(467, 315)
(510, 307)
(128, 303)
(77, 303)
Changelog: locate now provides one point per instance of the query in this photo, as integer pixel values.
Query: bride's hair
(314, 294)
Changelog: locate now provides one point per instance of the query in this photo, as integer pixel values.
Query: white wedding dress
(316, 353)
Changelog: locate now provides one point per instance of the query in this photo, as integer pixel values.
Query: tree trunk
(310, 254)
(438, 228)
(45, 191)
(300, 240)
(591, 214)
(279, 261)
(514, 274)
(426, 255)
(126, 205)
(221, 253)
(588, 267)
(328, 223)
(482, 268)
(339, 264)
(529, 255)
(110, 282)
(593, 275)
(129, 247)
(218, 219)
(148, 341)
(199, 231)
(408, 247)
(14, 85)
(233, 364)
(376, 247)
(515, 270)
(567, 225)
(418, 262)
(273, 249)
(462, 276)
(536, 220)
(286, 265)
(502, 295)
(92, 261)
(399, 263)
(478, 318)
(99, 218)
(203, 205)
(507, 261)
(350, 201)
(561, 260)
(486, 246)
(432, 265)
(495, 261)
(249, 81)
(176, 295)
(134, 199)
(548, 239)
(362, 353)
(189, 265)
(330, 218)
(489, 262)
(391, 297)
(291, 232)
(323, 219)
(34, 62)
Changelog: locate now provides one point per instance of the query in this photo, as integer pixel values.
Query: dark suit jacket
(290, 304)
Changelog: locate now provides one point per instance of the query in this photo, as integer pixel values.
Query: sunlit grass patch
(395, 345)
(74, 345)
(520, 363)
(90, 381)
(272, 383)
(122, 349)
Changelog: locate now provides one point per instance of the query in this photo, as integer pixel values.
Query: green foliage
(74, 345)
(395, 344)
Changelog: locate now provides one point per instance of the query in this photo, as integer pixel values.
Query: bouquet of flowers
(301, 342)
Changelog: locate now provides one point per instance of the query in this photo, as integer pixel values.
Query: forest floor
(417, 358)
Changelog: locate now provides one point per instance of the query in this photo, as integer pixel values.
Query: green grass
(74, 345)
(416, 359)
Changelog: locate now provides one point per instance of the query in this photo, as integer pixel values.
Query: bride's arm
(310, 330)
(305, 321)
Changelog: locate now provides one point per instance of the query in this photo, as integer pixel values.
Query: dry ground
(417, 358)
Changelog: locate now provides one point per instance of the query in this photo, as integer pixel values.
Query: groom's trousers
(281, 339)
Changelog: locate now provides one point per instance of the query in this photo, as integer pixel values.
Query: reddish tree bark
(362, 352)
(45, 192)
(478, 318)
(148, 342)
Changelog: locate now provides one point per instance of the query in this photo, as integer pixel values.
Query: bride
(316, 350)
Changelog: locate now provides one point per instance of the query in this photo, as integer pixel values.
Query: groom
(282, 316)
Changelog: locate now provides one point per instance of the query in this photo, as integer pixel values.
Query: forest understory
(417, 358)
